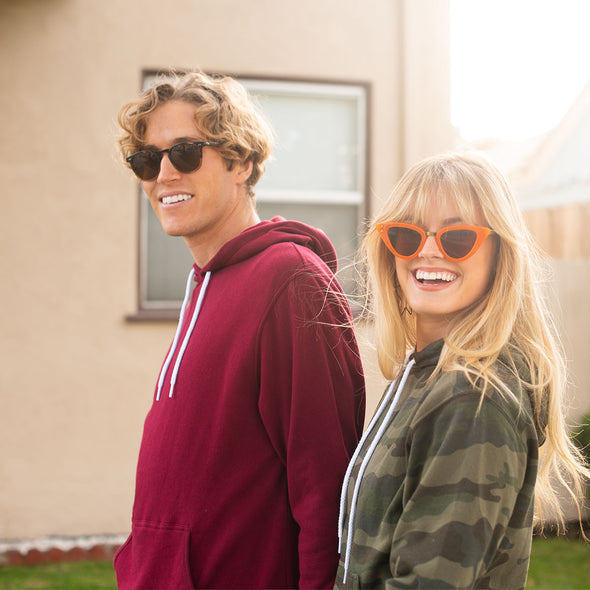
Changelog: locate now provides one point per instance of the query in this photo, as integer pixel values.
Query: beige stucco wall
(76, 378)
(571, 308)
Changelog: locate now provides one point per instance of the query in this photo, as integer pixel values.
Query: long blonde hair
(511, 319)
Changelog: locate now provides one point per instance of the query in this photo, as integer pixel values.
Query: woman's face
(437, 289)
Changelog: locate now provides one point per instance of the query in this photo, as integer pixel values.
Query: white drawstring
(187, 293)
(352, 462)
(164, 370)
(358, 449)
(189, 332)
(364, 464)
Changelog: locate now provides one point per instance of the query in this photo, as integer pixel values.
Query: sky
(516, 65)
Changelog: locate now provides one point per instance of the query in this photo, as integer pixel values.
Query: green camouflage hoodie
(446, 490)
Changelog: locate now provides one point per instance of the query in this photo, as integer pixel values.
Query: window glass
(316, 175)
(317, 143)
(168, 262)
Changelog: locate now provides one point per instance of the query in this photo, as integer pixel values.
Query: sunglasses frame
(481, 233)
(160, 153)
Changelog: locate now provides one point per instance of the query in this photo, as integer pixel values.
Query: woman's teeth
(175, 199)
(447, 277)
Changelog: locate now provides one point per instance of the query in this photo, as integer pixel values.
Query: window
(317, 175)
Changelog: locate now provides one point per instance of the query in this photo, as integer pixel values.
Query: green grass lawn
(76, 575)
(556, 564)
(559, 563)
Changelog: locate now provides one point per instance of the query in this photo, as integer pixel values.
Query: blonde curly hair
(226, 114)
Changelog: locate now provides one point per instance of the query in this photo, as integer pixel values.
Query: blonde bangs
(425, 187)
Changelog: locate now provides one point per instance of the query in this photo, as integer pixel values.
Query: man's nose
(167, 170)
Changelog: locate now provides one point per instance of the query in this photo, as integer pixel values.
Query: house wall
(571, 308)
(572, 313)
(553, 185)
(76, 377)
(562, 232)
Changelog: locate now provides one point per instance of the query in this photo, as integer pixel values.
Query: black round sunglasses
(186, 157)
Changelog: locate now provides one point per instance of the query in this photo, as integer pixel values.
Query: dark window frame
(170, 312)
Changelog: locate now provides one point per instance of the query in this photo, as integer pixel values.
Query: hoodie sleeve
(312, 404)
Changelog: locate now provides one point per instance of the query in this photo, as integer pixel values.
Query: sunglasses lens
(405, 241)
(146, 164)
(185, 157)
(457, 243)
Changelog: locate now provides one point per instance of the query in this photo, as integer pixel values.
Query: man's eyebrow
(151, 146)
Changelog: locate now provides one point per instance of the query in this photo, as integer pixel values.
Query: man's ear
(244, 170)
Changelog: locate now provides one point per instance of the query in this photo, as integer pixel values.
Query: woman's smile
(435, 288)
(434, 278)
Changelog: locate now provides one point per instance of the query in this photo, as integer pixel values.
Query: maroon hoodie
(241, 464)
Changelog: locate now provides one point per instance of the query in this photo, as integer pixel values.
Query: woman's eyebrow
(444, 223)
(452, 220)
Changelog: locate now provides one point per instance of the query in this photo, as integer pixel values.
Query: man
(260, 401)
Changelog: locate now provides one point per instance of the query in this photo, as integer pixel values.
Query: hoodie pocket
(155, 556)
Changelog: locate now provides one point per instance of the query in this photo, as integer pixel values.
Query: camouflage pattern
(447, 497)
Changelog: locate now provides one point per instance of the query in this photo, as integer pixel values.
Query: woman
(441, 490)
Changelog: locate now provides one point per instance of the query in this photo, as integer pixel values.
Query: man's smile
(175, 198)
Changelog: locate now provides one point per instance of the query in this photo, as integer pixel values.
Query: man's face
(206, 207)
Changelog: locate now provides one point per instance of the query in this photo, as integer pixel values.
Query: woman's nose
(431, 248)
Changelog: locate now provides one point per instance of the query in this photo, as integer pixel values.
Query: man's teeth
(423, 275)
(175, 199)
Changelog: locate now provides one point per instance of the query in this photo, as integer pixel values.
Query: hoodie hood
(266, 233)
(244, 246)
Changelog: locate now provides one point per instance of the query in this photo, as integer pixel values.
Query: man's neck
(204, 247)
